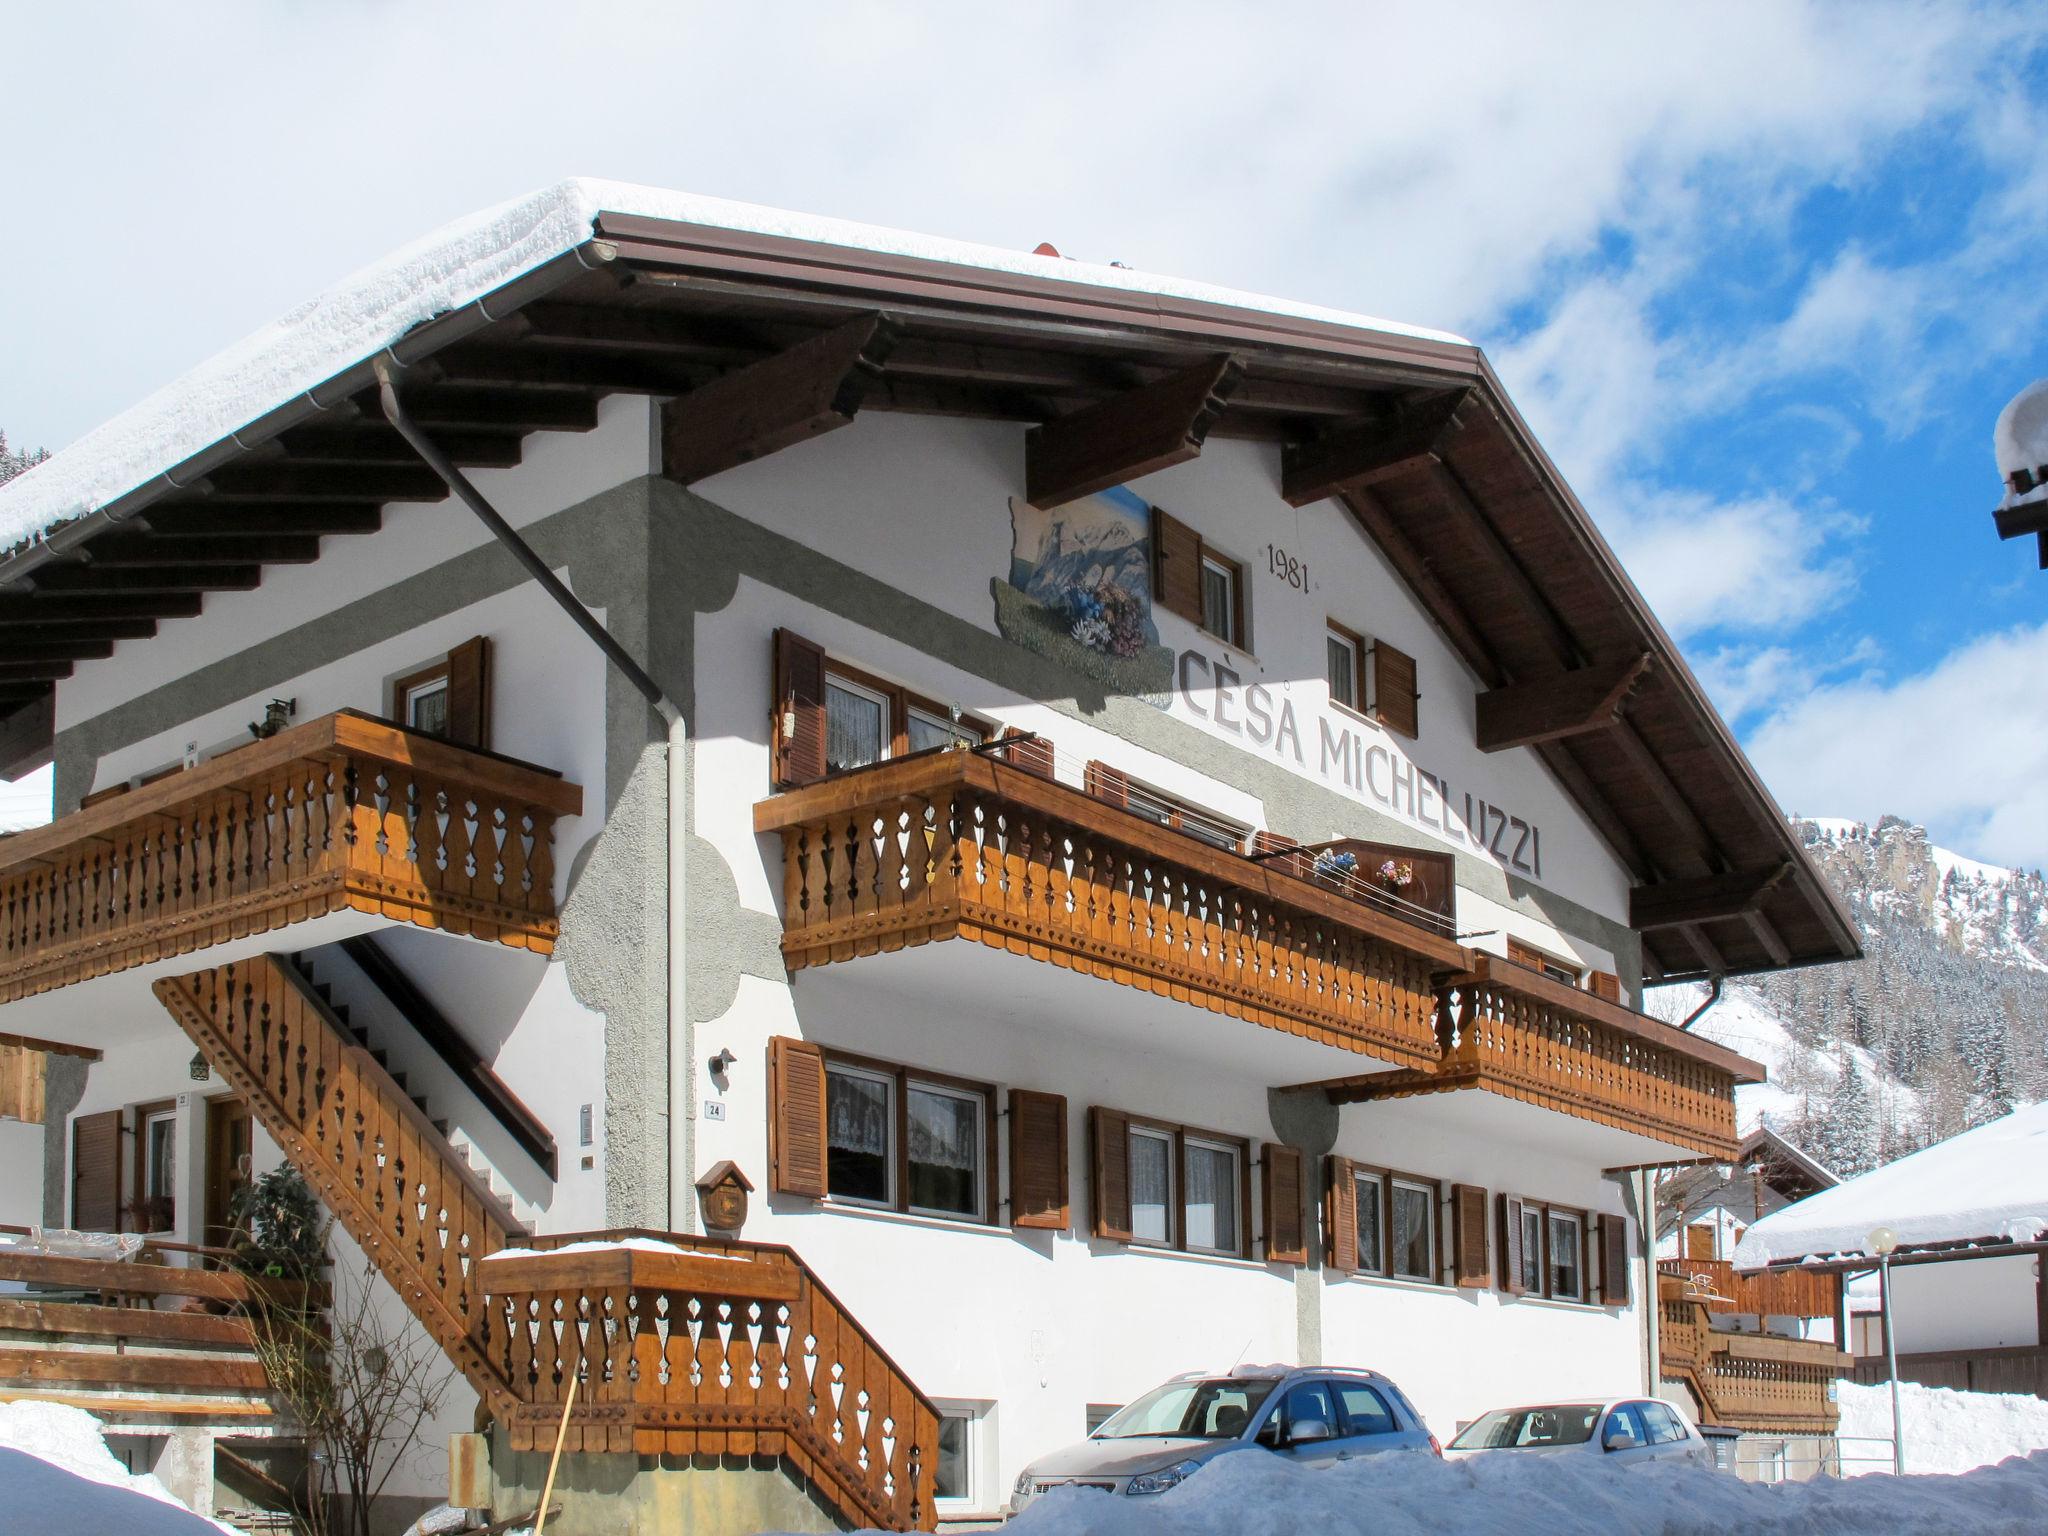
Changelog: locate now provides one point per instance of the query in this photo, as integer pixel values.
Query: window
(1216, 1409)
(932, 1161)
(1223, 598)
(1365, 1411)
(1532, 1249)
(1567, 1272)
(1624, 1418)
(1414, 1230)
(1151, 1185)
(856, 724)
(1156, 805)
(1536, 960)
(451, 698)
(953, 1477)
(1308, 1403)
(1212, 1196)
(156, 1167)
(1372, 1222)
(1662, 1421)
(1168, 1186)
(1346, 659)
(829, 717)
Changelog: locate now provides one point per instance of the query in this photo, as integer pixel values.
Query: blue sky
(1760, 275)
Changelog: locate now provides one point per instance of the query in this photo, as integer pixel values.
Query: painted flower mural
(1080, 587)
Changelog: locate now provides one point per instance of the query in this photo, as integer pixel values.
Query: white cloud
(1962, 747)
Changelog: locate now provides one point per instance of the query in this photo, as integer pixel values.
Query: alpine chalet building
(920, 837)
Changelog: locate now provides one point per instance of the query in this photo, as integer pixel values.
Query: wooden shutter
(469, 694)
(1614, 1265)
(1176, 566)
(96, 1172)
(1605, 984)
(1107, 783)
(1272, 842)
(1038, 1160)
(1280, 1197)
(1511, 1245)
(21, 1082)
(799, 724)
(796, 1118)
(1393, 688)
(1699, 1241)
(1468, 1236)
(1340, 1215)
(1109, 1165)
(1030, 751)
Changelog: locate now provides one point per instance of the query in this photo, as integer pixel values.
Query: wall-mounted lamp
(720, 1065)
(277, 714)
(198, 1069)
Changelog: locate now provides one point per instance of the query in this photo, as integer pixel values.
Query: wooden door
(227, 1164)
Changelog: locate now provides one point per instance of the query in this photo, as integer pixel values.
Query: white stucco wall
(21, 1184)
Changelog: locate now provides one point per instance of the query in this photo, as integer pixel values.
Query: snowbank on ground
(1988, 1183)
(1944, 1431)
(1251, 1494)
(56, 1474)
(454, 266)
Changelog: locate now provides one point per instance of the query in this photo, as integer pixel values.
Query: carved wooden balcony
(955, 844)
(686, 1346)
(1746, 1380)
(1765, 1293)
(343, 813)
(1515, 1032)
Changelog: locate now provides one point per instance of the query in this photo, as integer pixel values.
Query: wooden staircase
(366, 1146)
(679, 1346)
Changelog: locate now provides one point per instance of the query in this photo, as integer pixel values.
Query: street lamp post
(1882, 1241)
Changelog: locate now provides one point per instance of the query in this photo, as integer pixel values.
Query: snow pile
(1944, 1431)
(56, 1474)
(1255, 1494)
(1988, 1183)
(616, 1245)
(457, 265)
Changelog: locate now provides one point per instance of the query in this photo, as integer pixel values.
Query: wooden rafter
(368, 442)
(1127, 436)
(110, 579)
(1703, 898)
(526, 410)
(1668, 795)
(245, 521)
(809, 389)
(1369, 513)
(81, 629)
(1564, 704)
(1359, 454)
(275, 481)
(1480, 533)
(1621, 841)
(142, 550)
(86, 610)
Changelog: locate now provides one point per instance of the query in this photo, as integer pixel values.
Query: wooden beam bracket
(1563, 704)
(1703, 898)
(812, 388)
(1136, 433)
(1366, 453)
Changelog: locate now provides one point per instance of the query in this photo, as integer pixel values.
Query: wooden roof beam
(44, 646)
(27, 730)
(1479, 532)
(1365, 453)
(277, 480)
(1550, 708)
(45, 671)
(82, 610)
(1703, 898)
(76, 629)
(370, 443)
(143, 551)
(1615, 832)
(110, 580)
(1766, 934)
(239, 521)
(1668, 795)
(1371, 515)
(1136, 433)
(459, 407)
(810, 389)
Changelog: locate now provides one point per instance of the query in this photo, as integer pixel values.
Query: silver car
(1624, 1430)
(1313, 1415)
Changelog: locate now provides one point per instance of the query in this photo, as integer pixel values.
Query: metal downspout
(681, 1210)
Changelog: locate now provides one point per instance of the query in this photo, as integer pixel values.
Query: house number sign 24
(1290, 570)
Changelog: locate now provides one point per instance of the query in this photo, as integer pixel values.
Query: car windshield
(1507, 1428)
(1201, 1410)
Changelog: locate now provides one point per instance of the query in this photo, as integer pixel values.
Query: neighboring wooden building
(1121, 830)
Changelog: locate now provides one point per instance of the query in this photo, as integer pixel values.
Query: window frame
(147, 1116)
(901, 1079)
(1565, 972)
(1377, 1177)
(973, 1416)
(1355, 644)
(897, 702)
(426, 681)
(1544, 1210)
(1388, 1179)
(1177, 1136)
(1552, 1215)
(1232, 571)
(1142, 800)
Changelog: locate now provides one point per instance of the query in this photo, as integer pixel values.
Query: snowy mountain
(1941, 1026)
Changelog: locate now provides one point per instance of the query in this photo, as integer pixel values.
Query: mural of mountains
(1942, 1025)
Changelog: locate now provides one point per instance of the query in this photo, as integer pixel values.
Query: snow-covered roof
(1986, 1184)
(458, 265)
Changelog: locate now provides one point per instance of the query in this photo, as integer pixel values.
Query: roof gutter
(418, 343)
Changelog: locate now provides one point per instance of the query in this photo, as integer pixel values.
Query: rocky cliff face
(1941, 1026)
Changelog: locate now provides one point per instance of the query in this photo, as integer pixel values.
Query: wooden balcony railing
(344, 812)
(697, 1346)
(1745, 1380)
(1766, 1293)
(952, 844)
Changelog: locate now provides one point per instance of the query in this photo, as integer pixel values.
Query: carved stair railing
(421, 1215)
(685, 1346)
